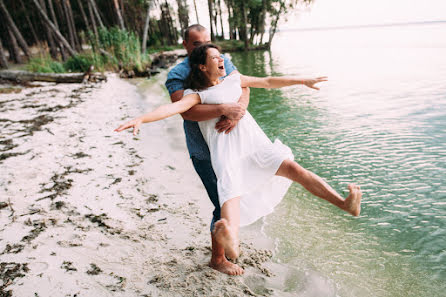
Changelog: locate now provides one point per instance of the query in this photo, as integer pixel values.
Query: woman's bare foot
(353, 201)
(227, 267)
(225, 237)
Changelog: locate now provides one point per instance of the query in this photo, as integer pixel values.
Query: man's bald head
(194, 36)
(196, 27)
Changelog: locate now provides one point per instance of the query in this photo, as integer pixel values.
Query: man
(230, 114)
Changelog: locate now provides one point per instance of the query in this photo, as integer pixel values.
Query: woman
(253, 173)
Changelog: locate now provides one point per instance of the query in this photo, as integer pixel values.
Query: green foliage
(45, 64)
(123, 48)
(114, 49)
(156, 49)
(80, 63)
(231, 45)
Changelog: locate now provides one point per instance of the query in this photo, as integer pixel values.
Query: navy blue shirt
(194, 139)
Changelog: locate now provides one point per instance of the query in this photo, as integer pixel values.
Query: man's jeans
(209, 180)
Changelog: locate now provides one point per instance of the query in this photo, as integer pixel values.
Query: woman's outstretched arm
(279, 82)
(161, 112)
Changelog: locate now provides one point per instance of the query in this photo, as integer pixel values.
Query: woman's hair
(197, 80)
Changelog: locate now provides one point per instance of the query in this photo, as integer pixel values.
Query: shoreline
(92, 212)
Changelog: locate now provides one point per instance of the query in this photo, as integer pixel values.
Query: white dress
(245, 160)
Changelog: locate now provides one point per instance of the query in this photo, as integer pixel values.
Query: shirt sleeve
(200, 94)
(229, 66)
(174, 85)
(175, 80)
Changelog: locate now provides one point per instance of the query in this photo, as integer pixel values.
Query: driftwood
(24, 76)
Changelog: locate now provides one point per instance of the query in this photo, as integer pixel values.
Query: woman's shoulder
(190, 91)
(234, 76)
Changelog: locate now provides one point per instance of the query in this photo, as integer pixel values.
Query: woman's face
(215, 66)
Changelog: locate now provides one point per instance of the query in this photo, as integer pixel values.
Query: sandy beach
(85, 211)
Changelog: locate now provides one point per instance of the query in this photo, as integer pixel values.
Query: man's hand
(233, 111)
(225, 125)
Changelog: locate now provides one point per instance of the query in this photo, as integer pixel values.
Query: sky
(332, 13)
(329, 13)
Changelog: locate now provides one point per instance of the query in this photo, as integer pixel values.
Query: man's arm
(227, 125)
(204, 112)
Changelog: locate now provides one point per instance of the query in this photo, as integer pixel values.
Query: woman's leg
(318, 187)
(218, 260)
(227, 229)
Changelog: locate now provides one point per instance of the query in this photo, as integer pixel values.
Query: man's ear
(184, 43)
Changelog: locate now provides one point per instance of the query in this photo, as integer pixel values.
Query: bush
(123, 52)
(79, 63)
(45, 64)
(124, 49)
(231, 45)
(156, 49)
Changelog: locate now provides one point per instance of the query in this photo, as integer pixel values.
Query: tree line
(249, 20)
(63, 27)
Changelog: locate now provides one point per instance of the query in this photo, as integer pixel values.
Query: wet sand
(85, 211)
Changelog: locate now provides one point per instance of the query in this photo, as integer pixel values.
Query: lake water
(380, 121)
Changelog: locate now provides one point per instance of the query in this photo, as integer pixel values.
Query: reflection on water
(380, 121)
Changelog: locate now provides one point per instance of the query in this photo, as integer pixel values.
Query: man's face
(196, 38)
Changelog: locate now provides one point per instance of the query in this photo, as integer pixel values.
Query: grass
(123, 53)
(156, 49)
(114, 50)
(45, 64)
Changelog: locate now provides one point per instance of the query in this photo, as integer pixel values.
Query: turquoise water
(380, 121)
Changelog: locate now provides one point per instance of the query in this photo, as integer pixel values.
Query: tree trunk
(230, 20)
(118, 13)
(69, 28)
(93, 21)
(62, 26)
(273, 28)
(72, 25)
(183, 15)
(167, 26)
(172, 28)
(55, 30)
(244, 28)
(251, 34)
(196, 11)
(49, 35)
(215, 19)
(262, 20)
(14, 29)
(95, 10)
(121, 5)
(87, 24)
(210, 2)
(146, 28)
(84, 16)
(30, 25)
(54, 18)
(25, 76)
(14, 47)
(221, 20)
(3, 60)
(53, 14)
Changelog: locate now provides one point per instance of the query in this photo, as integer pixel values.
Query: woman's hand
(310, 82)
(135, 123)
